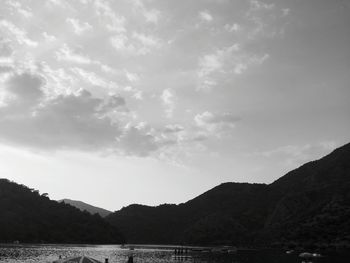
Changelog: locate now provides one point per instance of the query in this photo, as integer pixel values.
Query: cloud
(67, 121)
(232, 59)
(151, 15)
(137, 31)
(58, 80)
(113, 103)
(79, 27)
(16, 6)
(119, 42)
(205, 16)
(138, 44)
(224, 60)
(207, 117)
(147, 40)
(55, 3)
(5, 69)
(26, 90)
(65, 53)
(249, 60)
(265, 20)
(106, 68)
(232, 28)
(75, 55)
(132, 77)
(75, 121)
(122, 44)
(94, 79)
(260, 5)
(167, 98)
(210, 63)
(173, 128)
(285, 11)
(108, 18)
(213, 63)
(136, 142)
(19, 34)
(136, 94)
(5, 48)
(48, 37)
(216, 124)
(240, 68)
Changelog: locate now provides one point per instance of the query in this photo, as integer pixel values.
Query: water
(49, 253)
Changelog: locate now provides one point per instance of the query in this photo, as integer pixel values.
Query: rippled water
(49, 253)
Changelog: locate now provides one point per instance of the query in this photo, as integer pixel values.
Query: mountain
(308, 206)
(86, 207)
(221, 215)
(313, 202)
(28, 216)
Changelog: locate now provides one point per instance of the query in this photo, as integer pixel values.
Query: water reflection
(49, 253)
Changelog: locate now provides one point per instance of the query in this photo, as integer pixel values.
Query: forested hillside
(309, 205)
(27, 216)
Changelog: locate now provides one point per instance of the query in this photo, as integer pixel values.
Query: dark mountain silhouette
(226, 214)
(27, 216)
(86, 207)
(309, 205)
(312, 203)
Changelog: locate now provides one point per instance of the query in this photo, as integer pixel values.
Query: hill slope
(86, 207)
(313, 202)
(28, 216)
(310, 204)
(226, 214)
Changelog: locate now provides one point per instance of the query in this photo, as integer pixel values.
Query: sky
(157, 101)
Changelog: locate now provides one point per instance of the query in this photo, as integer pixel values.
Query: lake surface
(49, 253)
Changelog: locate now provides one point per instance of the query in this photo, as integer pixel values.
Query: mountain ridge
(82, 206)
(30, 217)
(294, 208)
(308, 206)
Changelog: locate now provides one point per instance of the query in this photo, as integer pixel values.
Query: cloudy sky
(154, 101)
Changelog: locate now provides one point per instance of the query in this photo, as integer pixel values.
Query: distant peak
(86, 207)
